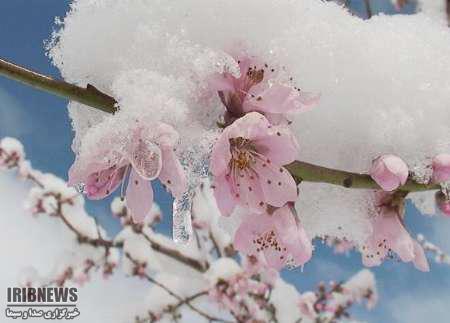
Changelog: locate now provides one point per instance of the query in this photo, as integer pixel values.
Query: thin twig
(368, 9)
(181, 300)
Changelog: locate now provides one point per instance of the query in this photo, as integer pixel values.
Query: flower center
(269, 240)
(254, 76)
(241, 153)
(243, 160)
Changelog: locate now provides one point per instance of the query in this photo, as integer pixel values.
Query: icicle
(182, 225)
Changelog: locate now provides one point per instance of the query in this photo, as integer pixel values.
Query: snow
(222, 269)
(360, 284)
(286, 299)
(156, 57)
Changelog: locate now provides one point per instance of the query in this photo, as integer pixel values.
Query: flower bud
(443, 203)
(389, 172)
(441, 168)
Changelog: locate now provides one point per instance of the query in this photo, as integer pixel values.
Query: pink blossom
(389, 171)
(259, 89)
(233, 295)
(443, 203)
(307, 305)
(257, 265)
(143, 158)
(247, 164)
(390, 236)
(279, 237)
(441, 168)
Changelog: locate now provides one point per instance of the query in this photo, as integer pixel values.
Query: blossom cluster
(247, 165)
(331, 304)
(202, 278)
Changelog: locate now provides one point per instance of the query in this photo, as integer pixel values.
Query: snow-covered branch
(94, 98)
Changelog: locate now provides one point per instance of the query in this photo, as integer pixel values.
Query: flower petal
(222, 82)
(251, 126)
(276, 182)
(280, 146)
(293, 236)
(252, 225)
(279, 99)
(225, 199)
(249, 191)
(139, 197)
(100, 184)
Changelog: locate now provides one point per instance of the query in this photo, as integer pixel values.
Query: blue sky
(41, 122)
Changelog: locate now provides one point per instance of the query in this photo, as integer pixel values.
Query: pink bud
(441, 168)
(389, 171)
(443, 203)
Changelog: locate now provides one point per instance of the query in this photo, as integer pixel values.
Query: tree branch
(368, 9)
(89, 96)
(303, 171)
(92, 97)
(181, 300)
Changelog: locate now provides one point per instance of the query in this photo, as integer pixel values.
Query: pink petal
(225, 199)
(420, 260)
(389, 171)
(441, 168)
(272, 99)
(280, 146)
(100, 184)
(252, 126)
(275, 259)
(400, 240)
(250, 227)
(221, 82)
(102, 160)
(293, 236)
(443, 203)
(388, 234)
(172, 174)
(221, 155)
(280, 99)
(277, 184)
(249, 191)
(146, 159)
(139, 197)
